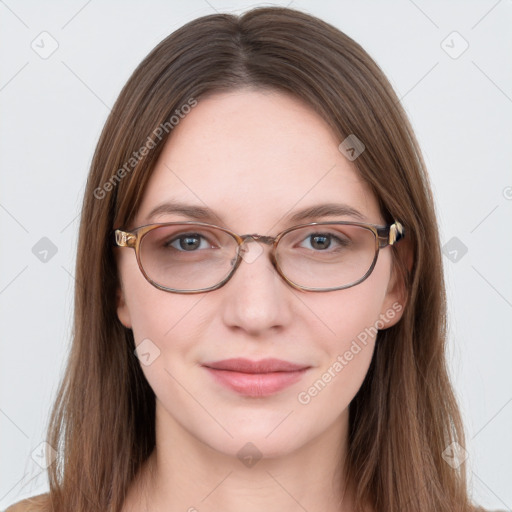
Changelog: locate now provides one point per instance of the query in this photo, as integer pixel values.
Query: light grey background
(52, 111)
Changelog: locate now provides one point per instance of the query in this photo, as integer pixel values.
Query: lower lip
(256, 384)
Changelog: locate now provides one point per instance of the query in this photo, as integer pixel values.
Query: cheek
(347, 353)
(353, 317)
(351, 312)
(166, 328)
(161, 322)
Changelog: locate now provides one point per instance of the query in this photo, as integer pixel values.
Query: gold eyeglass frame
(384, 236)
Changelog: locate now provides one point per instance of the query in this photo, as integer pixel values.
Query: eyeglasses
(195, 257)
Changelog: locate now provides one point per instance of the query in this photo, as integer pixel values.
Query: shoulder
(35, 504)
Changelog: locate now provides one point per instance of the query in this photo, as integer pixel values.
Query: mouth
(256, 378)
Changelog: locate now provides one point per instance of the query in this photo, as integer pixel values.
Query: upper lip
(262, 366)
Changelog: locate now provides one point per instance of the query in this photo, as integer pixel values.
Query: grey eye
(188, 242)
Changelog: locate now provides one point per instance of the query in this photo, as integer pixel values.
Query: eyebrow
(204, 214)
(326, 210)
(195, 212)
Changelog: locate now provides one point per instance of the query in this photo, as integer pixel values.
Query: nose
(256, 299)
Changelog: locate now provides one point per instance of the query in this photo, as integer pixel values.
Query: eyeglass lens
(190, 257)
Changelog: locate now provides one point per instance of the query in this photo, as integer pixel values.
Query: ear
(123, 312)
(396, 294)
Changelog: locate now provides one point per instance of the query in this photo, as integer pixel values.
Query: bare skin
(254, 158)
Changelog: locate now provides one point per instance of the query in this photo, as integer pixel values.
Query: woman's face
(254, 159)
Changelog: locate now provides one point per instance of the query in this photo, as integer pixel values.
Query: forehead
(252, 157)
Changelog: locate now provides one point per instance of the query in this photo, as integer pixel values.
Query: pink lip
(256, 378)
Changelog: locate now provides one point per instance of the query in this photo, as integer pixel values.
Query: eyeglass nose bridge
(268, 240)
(243, 249)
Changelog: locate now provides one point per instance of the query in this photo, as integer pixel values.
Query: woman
(301, 366)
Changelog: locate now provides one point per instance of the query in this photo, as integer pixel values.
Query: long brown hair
(405, 413)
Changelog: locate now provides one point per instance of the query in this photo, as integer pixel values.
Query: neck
(184, 474)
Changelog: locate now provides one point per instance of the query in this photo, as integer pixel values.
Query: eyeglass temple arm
(391, 234)
(124, 239)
